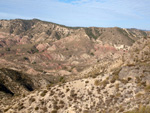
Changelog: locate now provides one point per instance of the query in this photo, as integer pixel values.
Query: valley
(47, 67)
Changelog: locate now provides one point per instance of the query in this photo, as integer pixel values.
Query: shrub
(62, 79)
(92, 54)
(34, 50)
(43, 93)
(25, 58)
(67, 89)
(37, 108)
(7, 49)
(44, 109)
(32, 99)
(97, 82)
(94, 73)
(33, 62)
(114, 78)
(49, 85)
(104, 83)
(5, 110)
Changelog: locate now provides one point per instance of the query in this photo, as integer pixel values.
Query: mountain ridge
(36, 19)
(57, 31)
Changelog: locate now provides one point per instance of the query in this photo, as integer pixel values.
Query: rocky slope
(35, 54)
(119, 87)
(46, 47)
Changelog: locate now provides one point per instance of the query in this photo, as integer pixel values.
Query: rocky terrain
(46, 67)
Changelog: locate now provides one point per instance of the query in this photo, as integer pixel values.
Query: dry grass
(118, 95)
(141, 109)
(101, 83)
(97, 82)
(104, 83)
(147, 88)
(138, 95)
(114, 78)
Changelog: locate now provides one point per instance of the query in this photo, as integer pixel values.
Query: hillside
(43, 64)
(35, 29)
(122, 87)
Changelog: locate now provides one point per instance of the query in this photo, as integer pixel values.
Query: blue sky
(99, 13)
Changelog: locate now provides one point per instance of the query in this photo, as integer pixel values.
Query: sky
(81, 13)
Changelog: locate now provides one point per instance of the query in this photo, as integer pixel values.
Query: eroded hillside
(120, 87)
(46, 67)
(44, 47)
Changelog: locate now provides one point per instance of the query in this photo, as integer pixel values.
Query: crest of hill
(35, 27)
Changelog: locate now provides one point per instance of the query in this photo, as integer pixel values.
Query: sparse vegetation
(33, 62)
(147, 88)
(25, 58)
(62, 79)
(94, 73)
(67, 89)
(45, 109)
(138, 95)
(117, 86)
(36, 108)
(7, 49)
(121, 109)
(124, 81)
(32, 99)
(5, 110)
(118, 95)
(49, 85)
(103, 83)
(85, 111)
(43, 93)
(116, 73)
(92, 54)
(141, 109)
(97, 82)
(33, 50)
(54, 111)
(57, 36)
(90, 33)
(114, 78)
